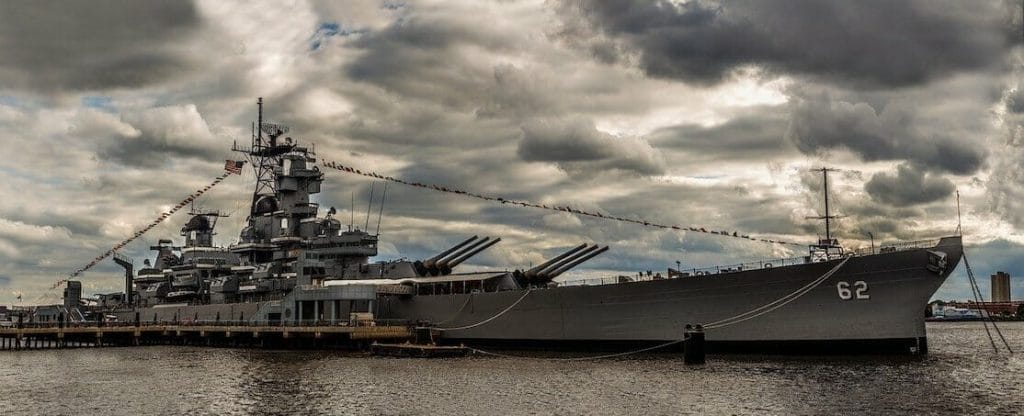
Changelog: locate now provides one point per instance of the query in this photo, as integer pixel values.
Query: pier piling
(693, 345)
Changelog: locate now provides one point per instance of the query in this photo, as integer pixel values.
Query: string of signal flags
(557, 208)
(230, 167)
(235, 167)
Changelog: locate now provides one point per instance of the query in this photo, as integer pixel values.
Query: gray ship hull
(868, 304)
(888, 313)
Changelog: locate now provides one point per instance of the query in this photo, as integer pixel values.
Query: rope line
(528, 291)
(556, 208)
(595, 357)
(978, 298)
(976, 293)
(458, 312)
(163, 216)
(766, 308)
(771, 306)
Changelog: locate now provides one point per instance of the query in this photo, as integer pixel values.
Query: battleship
(293, 266)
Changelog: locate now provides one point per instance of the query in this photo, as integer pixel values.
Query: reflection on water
(961, 375)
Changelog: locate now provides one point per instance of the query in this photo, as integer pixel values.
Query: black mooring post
(60, 320)
(218, 317)
(21, 320)
(423, 336)
(99, 319)
(138, 321)
(693, 344)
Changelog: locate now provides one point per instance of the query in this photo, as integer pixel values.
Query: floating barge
(419, 350)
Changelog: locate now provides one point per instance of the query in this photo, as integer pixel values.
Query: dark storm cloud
(876, 43)
(1015, 101)
(417, 56)
(577, 146)
(758, 134)
(158, 134)
(819, 123)
(78, 225)
(52, 45)
(1004, 186)
(910, 185)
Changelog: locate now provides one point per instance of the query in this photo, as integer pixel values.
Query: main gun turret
(444, 262)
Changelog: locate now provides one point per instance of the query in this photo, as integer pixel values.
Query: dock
(257, 336)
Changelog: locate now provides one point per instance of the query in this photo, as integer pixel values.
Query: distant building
(1001, 287)
(973, 309)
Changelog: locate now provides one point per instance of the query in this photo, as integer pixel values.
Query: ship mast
(828, 217)
(264, 154)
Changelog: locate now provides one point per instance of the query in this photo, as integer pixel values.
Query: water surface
(961, 375)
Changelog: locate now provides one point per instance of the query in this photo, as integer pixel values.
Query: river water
(960, 376)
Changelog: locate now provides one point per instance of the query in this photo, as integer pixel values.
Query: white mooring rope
(488, 319)
(754, 313)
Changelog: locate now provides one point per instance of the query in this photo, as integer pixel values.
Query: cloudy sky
(702, 112)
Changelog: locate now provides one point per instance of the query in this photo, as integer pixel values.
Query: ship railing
(214, 261)
(740, 267)
(691, 272)
(894, 247)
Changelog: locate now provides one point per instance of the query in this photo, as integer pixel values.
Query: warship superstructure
(293, 266)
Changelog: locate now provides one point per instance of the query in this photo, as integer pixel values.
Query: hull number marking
(858, 290)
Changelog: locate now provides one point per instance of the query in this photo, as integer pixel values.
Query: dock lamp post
(872, 237)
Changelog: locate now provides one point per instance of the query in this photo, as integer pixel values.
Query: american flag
(234, 166)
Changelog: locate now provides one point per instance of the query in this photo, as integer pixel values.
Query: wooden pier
(283, 337)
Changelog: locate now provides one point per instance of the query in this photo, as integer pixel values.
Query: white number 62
(860, 290)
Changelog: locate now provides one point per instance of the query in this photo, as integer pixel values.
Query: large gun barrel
(577, 262)
(451, 265)
(555, 266)
(533, 271)
(431, 262)
(441, 264)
